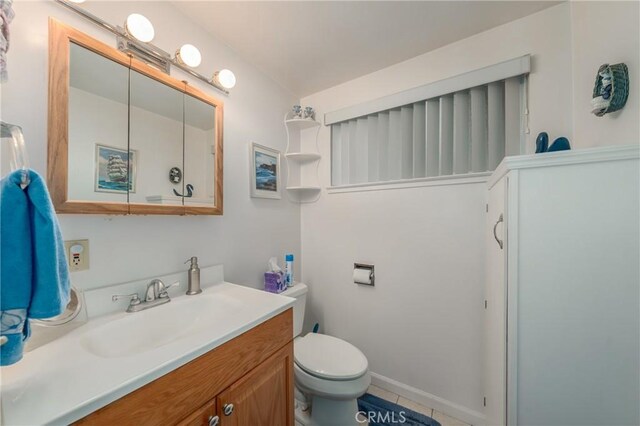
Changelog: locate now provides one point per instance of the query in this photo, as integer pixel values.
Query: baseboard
(440, 404)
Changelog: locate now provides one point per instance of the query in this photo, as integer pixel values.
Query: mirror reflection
(155, 140)
(98, 127)
(199, 152)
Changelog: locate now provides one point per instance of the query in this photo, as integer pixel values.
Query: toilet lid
(328, 357)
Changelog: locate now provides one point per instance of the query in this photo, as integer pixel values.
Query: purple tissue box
(274, 282)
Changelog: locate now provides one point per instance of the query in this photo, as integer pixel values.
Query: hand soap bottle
(194, 277)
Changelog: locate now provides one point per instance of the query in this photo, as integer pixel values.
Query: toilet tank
(298, 292)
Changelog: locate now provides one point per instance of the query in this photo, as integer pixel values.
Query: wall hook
(189, 191)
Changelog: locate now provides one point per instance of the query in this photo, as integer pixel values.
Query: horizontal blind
(467, 131)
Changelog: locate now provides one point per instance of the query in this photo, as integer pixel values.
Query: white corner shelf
(303, 157)
(303, 189)
(304, 194)
(301, 123)
(309, 190)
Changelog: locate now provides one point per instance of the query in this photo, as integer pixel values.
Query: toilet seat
(329, 358)
(341, 390)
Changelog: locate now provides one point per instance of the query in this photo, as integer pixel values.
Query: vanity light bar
(148, 52)
(148, 56)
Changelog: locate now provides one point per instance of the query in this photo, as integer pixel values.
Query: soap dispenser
(194, 277)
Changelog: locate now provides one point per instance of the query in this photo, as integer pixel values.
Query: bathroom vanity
(246, 381)
(223, 357)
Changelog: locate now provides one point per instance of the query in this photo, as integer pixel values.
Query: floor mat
(380, 412)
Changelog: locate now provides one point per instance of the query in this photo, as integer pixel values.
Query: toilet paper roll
(362, 276)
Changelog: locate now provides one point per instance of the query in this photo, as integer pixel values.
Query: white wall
(421, 325)
(124, 248)
(596, 41)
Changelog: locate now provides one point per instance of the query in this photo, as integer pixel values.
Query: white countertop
(66, 380)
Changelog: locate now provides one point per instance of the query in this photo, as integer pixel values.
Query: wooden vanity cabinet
(257, 398)
(203, 416)
(247, 381)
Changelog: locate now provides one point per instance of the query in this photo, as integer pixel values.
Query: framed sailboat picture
(115, 169)
(265, 172)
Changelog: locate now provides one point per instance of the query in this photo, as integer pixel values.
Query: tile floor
(443, 419)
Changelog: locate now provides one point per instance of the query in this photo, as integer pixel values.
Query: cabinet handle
(214, 420)
(499, 241)
(227, 409)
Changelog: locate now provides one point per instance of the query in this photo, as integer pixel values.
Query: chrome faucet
(156, 295)
(156, 290)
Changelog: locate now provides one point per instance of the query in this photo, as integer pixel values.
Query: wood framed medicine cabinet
(125, 138)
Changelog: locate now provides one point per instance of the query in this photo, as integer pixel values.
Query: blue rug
(381, 412)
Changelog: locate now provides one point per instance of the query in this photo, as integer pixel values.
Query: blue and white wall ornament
(611, 89)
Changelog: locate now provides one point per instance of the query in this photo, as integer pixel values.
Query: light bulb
(226, 78)
(189, 55)
(139, 27)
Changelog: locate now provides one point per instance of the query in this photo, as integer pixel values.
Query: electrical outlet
(77, 255)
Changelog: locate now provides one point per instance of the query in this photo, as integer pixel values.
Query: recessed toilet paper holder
(358, 279)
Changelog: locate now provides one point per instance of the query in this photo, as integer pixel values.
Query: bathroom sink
(139, 332)
(113, 354)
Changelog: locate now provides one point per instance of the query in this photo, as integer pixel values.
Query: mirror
(199, 152)
(97, 141)
(155, 140)
(125, 138)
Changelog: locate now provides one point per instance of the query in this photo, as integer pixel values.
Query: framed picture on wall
(265, 172)
(115, 169)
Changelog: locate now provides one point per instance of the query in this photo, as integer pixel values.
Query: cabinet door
(495, 308)
(200, 152)
(263, 397)
(97, 128)
(156, 142)
(204, 416)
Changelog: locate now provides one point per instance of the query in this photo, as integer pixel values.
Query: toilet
(330, 374)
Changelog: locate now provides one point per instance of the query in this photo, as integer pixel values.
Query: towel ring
(70, 313)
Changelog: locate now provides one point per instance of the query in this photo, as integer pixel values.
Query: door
(495, 354)
(263, 397)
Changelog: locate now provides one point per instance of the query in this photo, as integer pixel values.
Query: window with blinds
(439, 132)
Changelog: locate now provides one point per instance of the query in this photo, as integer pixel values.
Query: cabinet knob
(227, 409)
(214, 420)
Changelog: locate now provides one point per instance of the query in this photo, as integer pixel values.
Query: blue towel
(34, 278)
